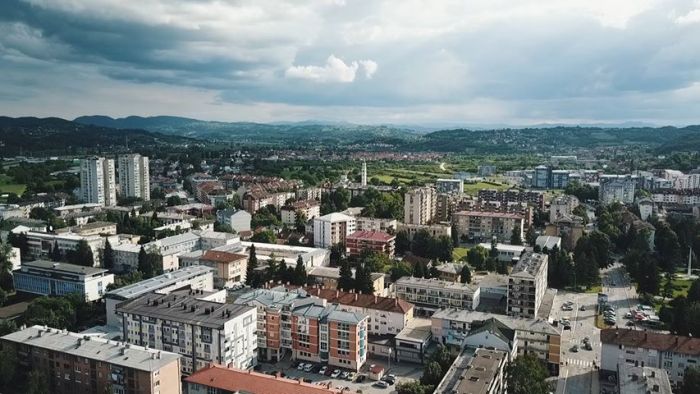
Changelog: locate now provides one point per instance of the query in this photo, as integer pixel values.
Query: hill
(301, 133)
(60, 136)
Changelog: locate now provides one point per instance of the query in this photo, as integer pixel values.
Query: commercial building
(201, 331)
(430, 295)
(134, 180)
(506, 252)
(542, 177)
(60, 279)
(420, 206)
(238, 219)
(75, 363)
(332, 229)
(166, 250)
(616, 188)
(475, 371)
(451, 326)
(451, 186)
(97, 183)
(559, 179)
(527, 284)
(484, 226)
(217, 379)
(308, 209)
(196, 278)
(375, 241)
(672, 353)
(308, 328)
(412, 343)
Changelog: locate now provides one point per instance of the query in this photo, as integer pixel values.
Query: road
(578, 374)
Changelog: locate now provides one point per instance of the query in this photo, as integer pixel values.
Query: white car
(308, 367)
(323, 370)
(301, 366)
(335, 374)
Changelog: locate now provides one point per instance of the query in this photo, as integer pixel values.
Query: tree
(441, 248)
(8, 366)
(434, 272)
(667, 291)
(144, 264)
(693, 316)
(402, 243)
(691, 380)
(363, 280)
(421, 244)
(516, 238)
(52, 312)
(443, 357)
(399, 270)
(345, 282)
(37, 382)
(108, 256)
(465, 275)
(174, 200)
(477, 257)
(6, 280)
(694, 291)
(419, 270)
(300, 275)
(337, 253)
(432, 374)
(7, 327)
(530, 236)
(272, 268)
(413, 387)
(668, 246)
(82, 255)
(55, 254)
(526, 375)
(250, 277)
(502, 268)
(266, 236)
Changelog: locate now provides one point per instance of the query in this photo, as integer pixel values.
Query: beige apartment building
(527, 284)
(420, 205)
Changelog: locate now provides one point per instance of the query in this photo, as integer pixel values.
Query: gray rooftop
(184, 309)
(63, 267)
(517, 323)
(634, 380)
(93, 347)
(436, 284)
(159, 282)
(529, 264)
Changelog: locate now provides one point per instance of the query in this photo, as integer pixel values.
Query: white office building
(134, 180)
(97, 184)
(49, 278)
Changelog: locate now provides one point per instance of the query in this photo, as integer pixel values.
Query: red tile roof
(222, 257)
(651, 340)
(236, 380)
(371, 236)
(361, 300)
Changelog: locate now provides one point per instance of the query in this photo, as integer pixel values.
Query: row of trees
(275, 271)
(375, 203)
(425, 245)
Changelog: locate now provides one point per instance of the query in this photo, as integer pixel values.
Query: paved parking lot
(403, 372)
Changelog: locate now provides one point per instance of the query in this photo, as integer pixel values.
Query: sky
(515, 62)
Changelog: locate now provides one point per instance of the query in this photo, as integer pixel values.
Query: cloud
(335, 70)
(691, 17)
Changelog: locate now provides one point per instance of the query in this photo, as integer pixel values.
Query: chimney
(337, 293)
(396, 302)
(376, 299)
(355, 296)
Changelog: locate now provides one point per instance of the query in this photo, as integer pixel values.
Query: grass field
(6, 186)
(473, 188)
(458, 253)
(680, 287)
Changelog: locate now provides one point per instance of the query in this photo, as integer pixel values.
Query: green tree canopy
(526, 375)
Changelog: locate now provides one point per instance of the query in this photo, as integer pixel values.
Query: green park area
(6, 186)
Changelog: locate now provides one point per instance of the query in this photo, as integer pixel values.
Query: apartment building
(616, 188)
(41, 244)
(197, 277)
(239, 220)
(375, 241)
(363, 223)
(434, 230)
(420, 206)
(134, 180)
(445, 204)
(527, 284)
(230, 268)
(672, 353)
(327, 277)
(307, 328)
(451, 186)
(562, 206)
(332, 229)
(429, 295)
(474, 371)
(451, 326)
(88, 229)
(217, 379)
(679, 197)
(559, 179)
(510, 196)
(569, 228)
(97, 184)
(76, 363)
(637, 380)
(166, 249)
(309, 209)
(484, 225)
(50, 278)
(201, 331)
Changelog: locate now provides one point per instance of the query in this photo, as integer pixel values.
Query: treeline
(375, 204)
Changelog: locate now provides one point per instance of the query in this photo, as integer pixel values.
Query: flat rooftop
(529, 264)
(436, 284)
(93, 347)
(62, 267)
(484, 369)
(517, 323)
(159, 282)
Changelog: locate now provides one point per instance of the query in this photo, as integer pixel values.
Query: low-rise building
(201, 331)
(672, 353)
(76, 363)
(218, 379)
(411, 344)
(569, 228)
(41, 244)
(93, 228)
(451, 326)
(527, 284)
(375, 241)
(238, 219)
(59, 279)
(195, 278)
(475, 371)
(308, 209)
(230, 268)
(506, 252)
(429, 295)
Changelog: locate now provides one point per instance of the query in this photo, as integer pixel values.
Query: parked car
(344, 375)
(335, 374)
(630, 323)
(329, 372)
(361, 378)
(381, 384)
(587, 346)
(574, 349)
(308, 367)
(351, 376)
(582, 308)
(301, 366)
(323, 370)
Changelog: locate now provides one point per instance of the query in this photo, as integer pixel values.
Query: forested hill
(59, 136)
(662, 139)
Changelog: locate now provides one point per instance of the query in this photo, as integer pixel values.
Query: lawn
(458, 253)
(473, 188)
(680, 287)
(7, 186)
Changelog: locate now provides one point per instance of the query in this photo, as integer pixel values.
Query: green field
(680, 286)
(6, 186)
(458, 253)
(473, 188)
